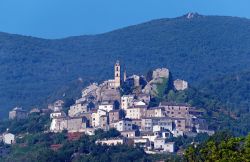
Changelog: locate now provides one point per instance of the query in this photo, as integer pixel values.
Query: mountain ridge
(194, 49)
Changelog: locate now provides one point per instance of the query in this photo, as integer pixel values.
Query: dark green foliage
(233, 92)
(220, 147)
(184, 141)
(216, 112)
(36, 147)
(101, 134)
(33, 124)
(193, 49)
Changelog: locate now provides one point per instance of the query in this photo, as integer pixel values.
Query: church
(116, 82)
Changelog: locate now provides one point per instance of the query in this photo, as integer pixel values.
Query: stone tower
(124, 75)
(117, 75)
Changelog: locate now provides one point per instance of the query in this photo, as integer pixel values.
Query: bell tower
(117, 75)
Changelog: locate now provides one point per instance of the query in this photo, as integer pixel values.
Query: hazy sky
(62, 18)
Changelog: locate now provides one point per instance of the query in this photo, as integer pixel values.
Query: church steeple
(117, 75)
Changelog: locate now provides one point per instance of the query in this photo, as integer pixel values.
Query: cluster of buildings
(106, 106)
(102, 106)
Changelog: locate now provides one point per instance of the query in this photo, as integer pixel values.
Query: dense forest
(196, 49)
(220, 147)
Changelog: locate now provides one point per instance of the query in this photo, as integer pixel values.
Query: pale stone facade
(106, 106)
(155, 112)
(175, 110)
(128, 134)
(160, 73)
(111, 142)
(8, 138)
(114, 116)
(161, 145)
(126, 101)
(123, 125)
(76, 124)
(180, 84)
(117, 75)
(18, 113)
(77, 109)
(136, 112)
(95, 117)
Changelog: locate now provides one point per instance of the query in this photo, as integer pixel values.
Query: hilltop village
(126, 104)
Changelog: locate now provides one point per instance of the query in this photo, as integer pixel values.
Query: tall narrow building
(117, 75)
(124, 75)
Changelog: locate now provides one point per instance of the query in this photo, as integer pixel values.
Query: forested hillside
(195, 49)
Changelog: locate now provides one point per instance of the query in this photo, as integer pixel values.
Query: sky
(54, 19)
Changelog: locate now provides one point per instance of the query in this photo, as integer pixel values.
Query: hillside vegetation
(196, 49)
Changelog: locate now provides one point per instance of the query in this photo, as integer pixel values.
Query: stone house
(141, 142)
(136, 123)
(112, 141)
(57, 114)
(123, 125)
(8, 138)
(114, 116)
(126, 101)
(162, 146)
(160, 73)
(75, 124)
(136, 112)
(175, 110)
(95, 117)
(104, 122)
(147, 124)
(180, 84)
(128, 134)
(18, 113)
(77, 109)
(155, 112)
(181, 124)
(106, 106)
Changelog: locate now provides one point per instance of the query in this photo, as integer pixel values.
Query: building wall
(77, 108)
(136, 113)
(17, 114)
(123, 125)
(146, 124)
(158, 73)
(106, 107)
(104, 123)
(128, 134)
(155, 112)
(177, 111)
(111, 142)
(180, 84)
(75, 124)
(126, 101)
(180, 124)
(8, 138)
(114, 116)
(117, 75)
